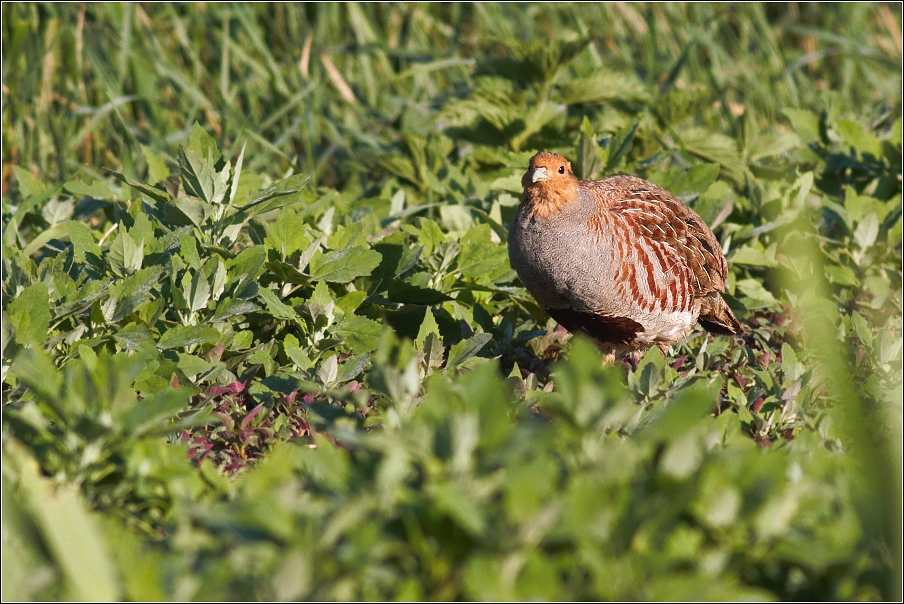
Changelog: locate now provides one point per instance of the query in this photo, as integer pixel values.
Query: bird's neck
(543, 200)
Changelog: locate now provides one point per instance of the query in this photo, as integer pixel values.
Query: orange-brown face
(549, 183)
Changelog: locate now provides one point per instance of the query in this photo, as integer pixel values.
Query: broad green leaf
(428, 326)
(361, 335)
(479, 258)
(157, 168)
(857, 137)
(29, 186)
(196, 290)
(30, 314)
(461, 352)
(228, 308)
(181, 336)
(345, 265)
(189, 251)
(202, 146)
(687, 185)
(867, 231)
(276, 307)
(57, 211)
(82, 241)
(198, 177)
(804, 122)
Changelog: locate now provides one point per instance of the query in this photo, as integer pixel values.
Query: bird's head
(549, 184)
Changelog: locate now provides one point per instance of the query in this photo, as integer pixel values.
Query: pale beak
(539, 175)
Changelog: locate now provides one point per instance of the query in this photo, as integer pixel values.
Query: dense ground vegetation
(261, 339)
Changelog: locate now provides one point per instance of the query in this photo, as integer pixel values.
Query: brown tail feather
(716, 316)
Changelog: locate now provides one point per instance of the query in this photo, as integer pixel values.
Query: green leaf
(619, 146)
(867, 231)
(345, 265)
(751, 256)
(755, 290)
(38, 242)
(185, 210)
(805, 124)
(480, 258)
(361, 335)
(157, 168)
(30, 314)
(461, 507)
(29, 186)
(198, 178)
(857, 137)
(228, 308)
(69, 532)
(57, 211)
(196, 290)
(153, 192)
(587, 161)
(202, 146)
(82, 241)
(428, 326)
(277, 308)
(284, 234)
(182, 336)
(189, 251)
(461, 352)
(687, 185)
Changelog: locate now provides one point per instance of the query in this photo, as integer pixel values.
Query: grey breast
(560, 260)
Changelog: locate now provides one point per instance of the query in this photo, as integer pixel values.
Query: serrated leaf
(361, 335)
(284, 234)
(198, 291)
(198, 177)
(132, 251)
(157, 168)
(82, 241)
(461, 352)
(200, 143)
(188, 249)
(152, 192)
(277, 308)
(57, 211)
(328, 371)
(345, 265)
(428, 326)
(805, 124)
(30, 314)
(28, 184)
(351, 367)
(858, 137)
(184, 210)
(182, 336)
(228, 308)
(480, 258)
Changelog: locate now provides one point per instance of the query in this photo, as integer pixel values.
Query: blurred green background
(412, 427)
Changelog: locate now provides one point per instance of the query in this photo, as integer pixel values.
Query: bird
(621, 259)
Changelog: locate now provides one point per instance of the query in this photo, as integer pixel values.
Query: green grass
(261, 339)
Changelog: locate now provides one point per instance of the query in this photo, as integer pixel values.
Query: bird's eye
(561, 169)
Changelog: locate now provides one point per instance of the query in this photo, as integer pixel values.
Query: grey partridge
(620, 259)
